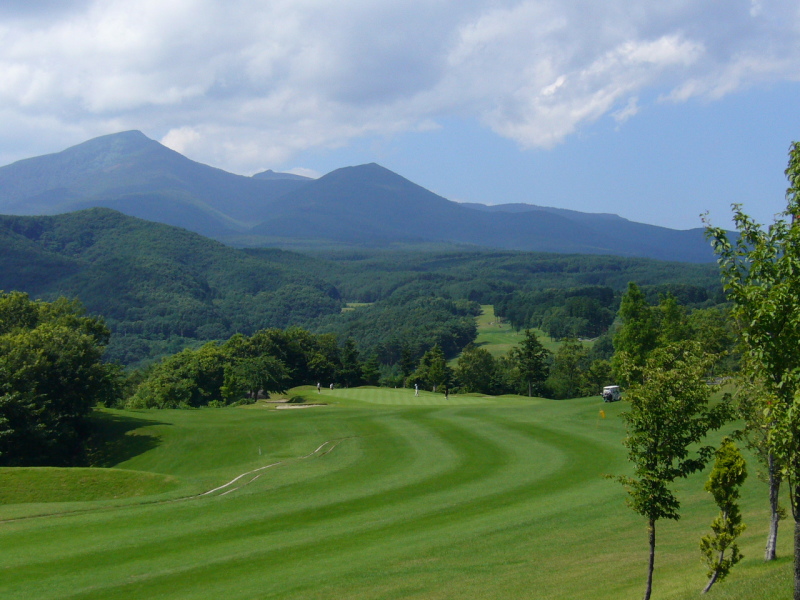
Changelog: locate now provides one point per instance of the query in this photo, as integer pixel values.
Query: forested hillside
(162, 288)
(158, 287)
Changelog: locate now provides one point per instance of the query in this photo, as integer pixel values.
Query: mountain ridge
(358, 205)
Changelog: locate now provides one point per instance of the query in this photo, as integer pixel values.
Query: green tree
(350, 372)
(569, 369)
(51, 375)
(530, 360)
(723, 484)
(596, 377)
(371, 370)
(637, 337)
(669, 415)
(673, 323)
(476, 370)
(190, 378)
(432, 370)
(761, 275)
(407, 363)
(753, 402)
(251, 375)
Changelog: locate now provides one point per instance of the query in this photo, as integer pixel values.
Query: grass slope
(498, 336)
(50, 484)
(378, 494)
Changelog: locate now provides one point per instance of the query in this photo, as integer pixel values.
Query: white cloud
(305, 172)
(181, 139)
(245, 83)
(628, 111)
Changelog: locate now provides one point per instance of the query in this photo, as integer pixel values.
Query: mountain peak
(273, 175)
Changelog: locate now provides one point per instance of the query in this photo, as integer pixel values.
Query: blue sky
(653, 111)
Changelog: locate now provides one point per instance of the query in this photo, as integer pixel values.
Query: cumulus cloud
(248, 83)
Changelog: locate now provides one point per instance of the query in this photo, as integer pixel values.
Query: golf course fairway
(376, 494)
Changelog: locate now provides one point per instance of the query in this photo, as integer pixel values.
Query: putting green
(397, 397)
(374, 497)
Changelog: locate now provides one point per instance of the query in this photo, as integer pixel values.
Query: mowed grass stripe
(490, 501)
(383, 457)
(483, 453)
(441, 513)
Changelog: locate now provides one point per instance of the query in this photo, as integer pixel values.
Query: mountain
(365, 205)
(369, 204)
(272, 175)
(140, 177)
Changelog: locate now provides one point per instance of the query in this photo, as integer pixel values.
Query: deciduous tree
(433, 370)
(476, 370)
(761, 274)
(570, 364)
(723, 484)
(51, 375)
(669, 415)
(636, 338)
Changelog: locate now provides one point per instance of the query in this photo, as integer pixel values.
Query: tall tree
(761, 275)
(530, 359)
(350, 373)
(570, 363)
(669, 415)
(752, 404)
(371, 370)
(433, 370)
(673, 323)
(636, 338)
(476, 370)
(51, 375)
(723, 484)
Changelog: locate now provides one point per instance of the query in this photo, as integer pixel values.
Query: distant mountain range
(356, 206)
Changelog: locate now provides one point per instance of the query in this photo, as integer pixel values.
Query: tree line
(161, 289)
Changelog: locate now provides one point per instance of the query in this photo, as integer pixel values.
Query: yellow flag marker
(602, 414)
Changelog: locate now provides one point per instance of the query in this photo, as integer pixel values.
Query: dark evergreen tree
(530, 360)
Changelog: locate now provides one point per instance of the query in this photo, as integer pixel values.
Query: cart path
(280, 462)
(331, 445)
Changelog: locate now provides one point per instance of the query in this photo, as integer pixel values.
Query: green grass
(351, 306)
(34, 485)
(474, 497)
(495, 335)
(498, 337)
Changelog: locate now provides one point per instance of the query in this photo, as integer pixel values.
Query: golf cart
(611, 393)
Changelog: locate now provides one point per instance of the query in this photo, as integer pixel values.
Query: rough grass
(498, 499)
(47, 484)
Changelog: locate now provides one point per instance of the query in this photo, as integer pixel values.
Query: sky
(655, 111)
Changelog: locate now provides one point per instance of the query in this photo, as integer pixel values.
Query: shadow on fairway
(112, 441)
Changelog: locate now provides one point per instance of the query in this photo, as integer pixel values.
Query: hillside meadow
(375, 494)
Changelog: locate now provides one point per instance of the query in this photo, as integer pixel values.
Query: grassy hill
(375, 495)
